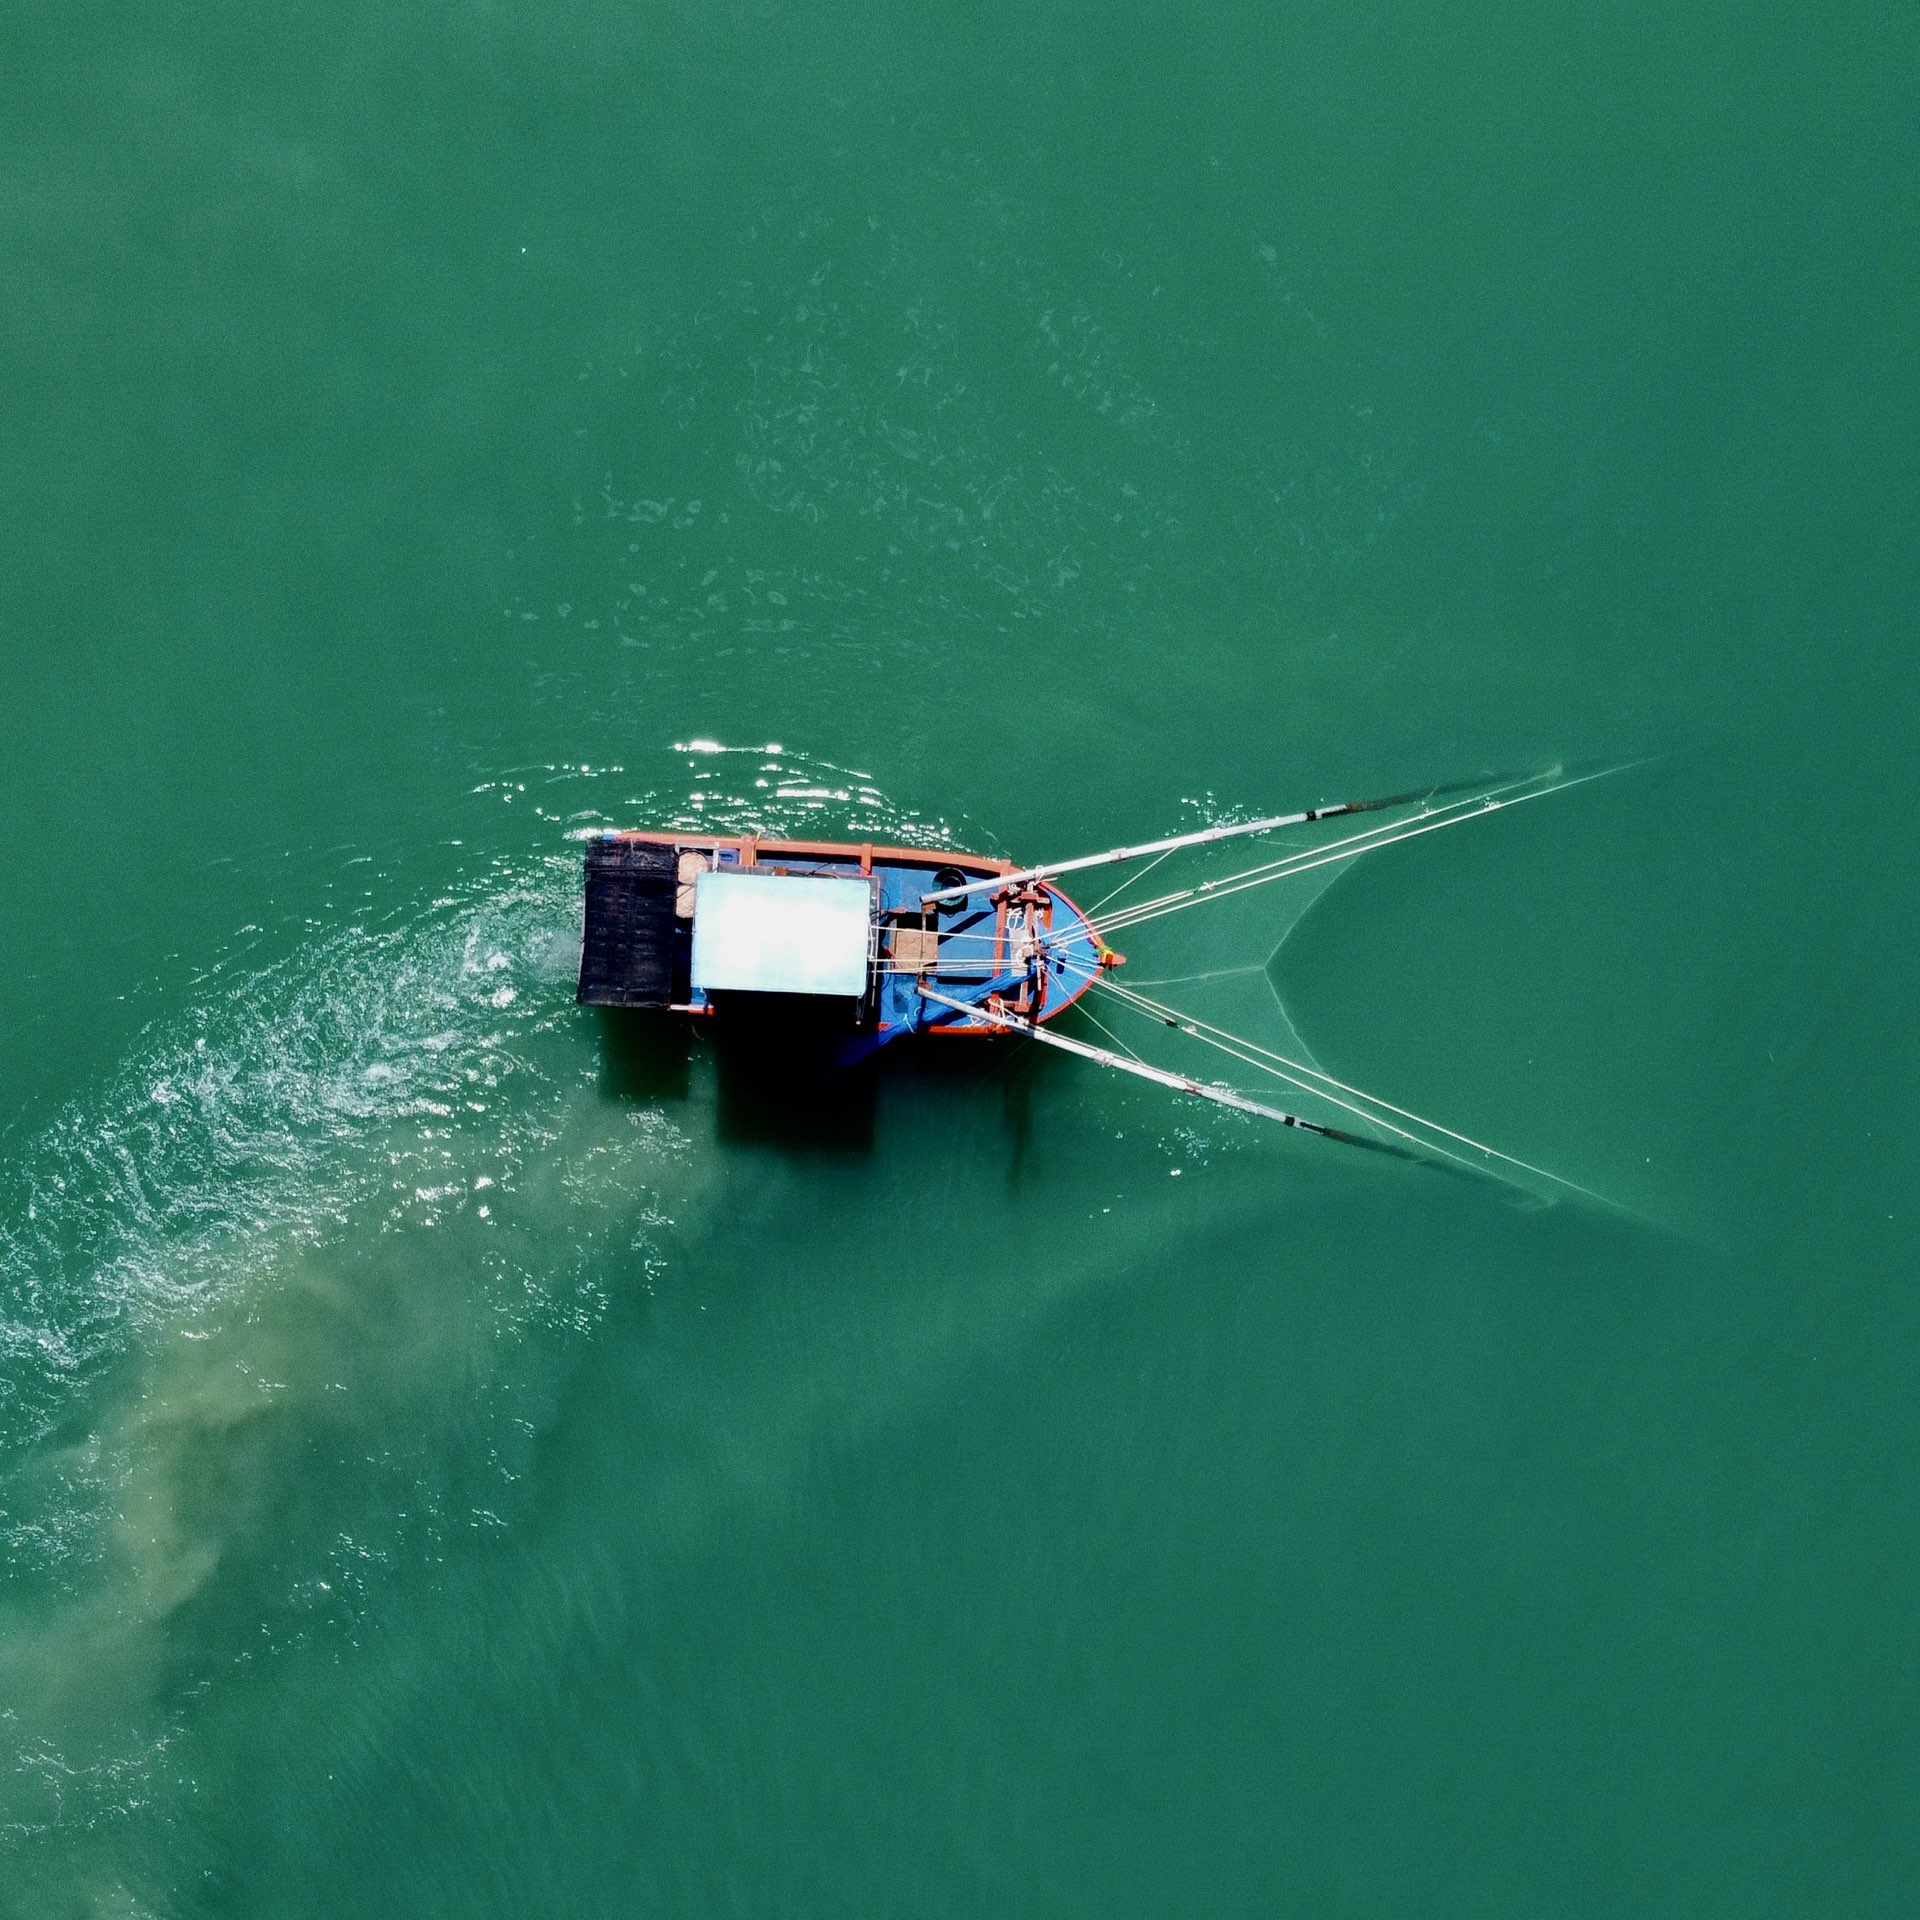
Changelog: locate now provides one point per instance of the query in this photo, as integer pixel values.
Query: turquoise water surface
(462, 1456)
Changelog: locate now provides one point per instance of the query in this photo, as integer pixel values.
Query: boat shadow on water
(769, 1071)
(774, 1079)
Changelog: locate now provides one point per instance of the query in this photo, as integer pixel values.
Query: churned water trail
(388, 1060)
(287, 1298)
(283, 1260)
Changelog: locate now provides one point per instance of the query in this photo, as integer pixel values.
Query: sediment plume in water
(265, 1285)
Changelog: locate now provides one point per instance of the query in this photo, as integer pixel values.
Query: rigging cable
(1245, 1052)
(1311, 857)
(1304, 858)
(1131, 880)
(1203, 1030)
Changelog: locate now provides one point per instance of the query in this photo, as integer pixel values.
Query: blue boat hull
(1024, 951)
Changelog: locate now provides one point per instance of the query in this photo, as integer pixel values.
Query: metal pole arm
(1221, 1096)
(1204, 837)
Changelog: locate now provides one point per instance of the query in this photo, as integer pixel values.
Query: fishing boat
(875, 944)
(871, 938)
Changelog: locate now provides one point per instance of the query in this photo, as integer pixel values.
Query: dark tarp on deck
(632, 954)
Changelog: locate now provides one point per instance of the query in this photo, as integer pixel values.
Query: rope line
(1111, 1035)
(1126, 883)
(1193, 979)
(1303, 859)
(1381, 832)
(1311, 857)
(1243, 1051)
(1154, 1009)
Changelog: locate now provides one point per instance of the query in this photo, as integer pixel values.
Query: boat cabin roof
(758, 932)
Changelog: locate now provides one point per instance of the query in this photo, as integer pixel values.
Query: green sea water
(459, 1457)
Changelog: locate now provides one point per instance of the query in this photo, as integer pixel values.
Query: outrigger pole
(1221, 1096)
(1205, 837)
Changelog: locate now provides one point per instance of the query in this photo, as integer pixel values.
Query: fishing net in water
(1204, 929)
